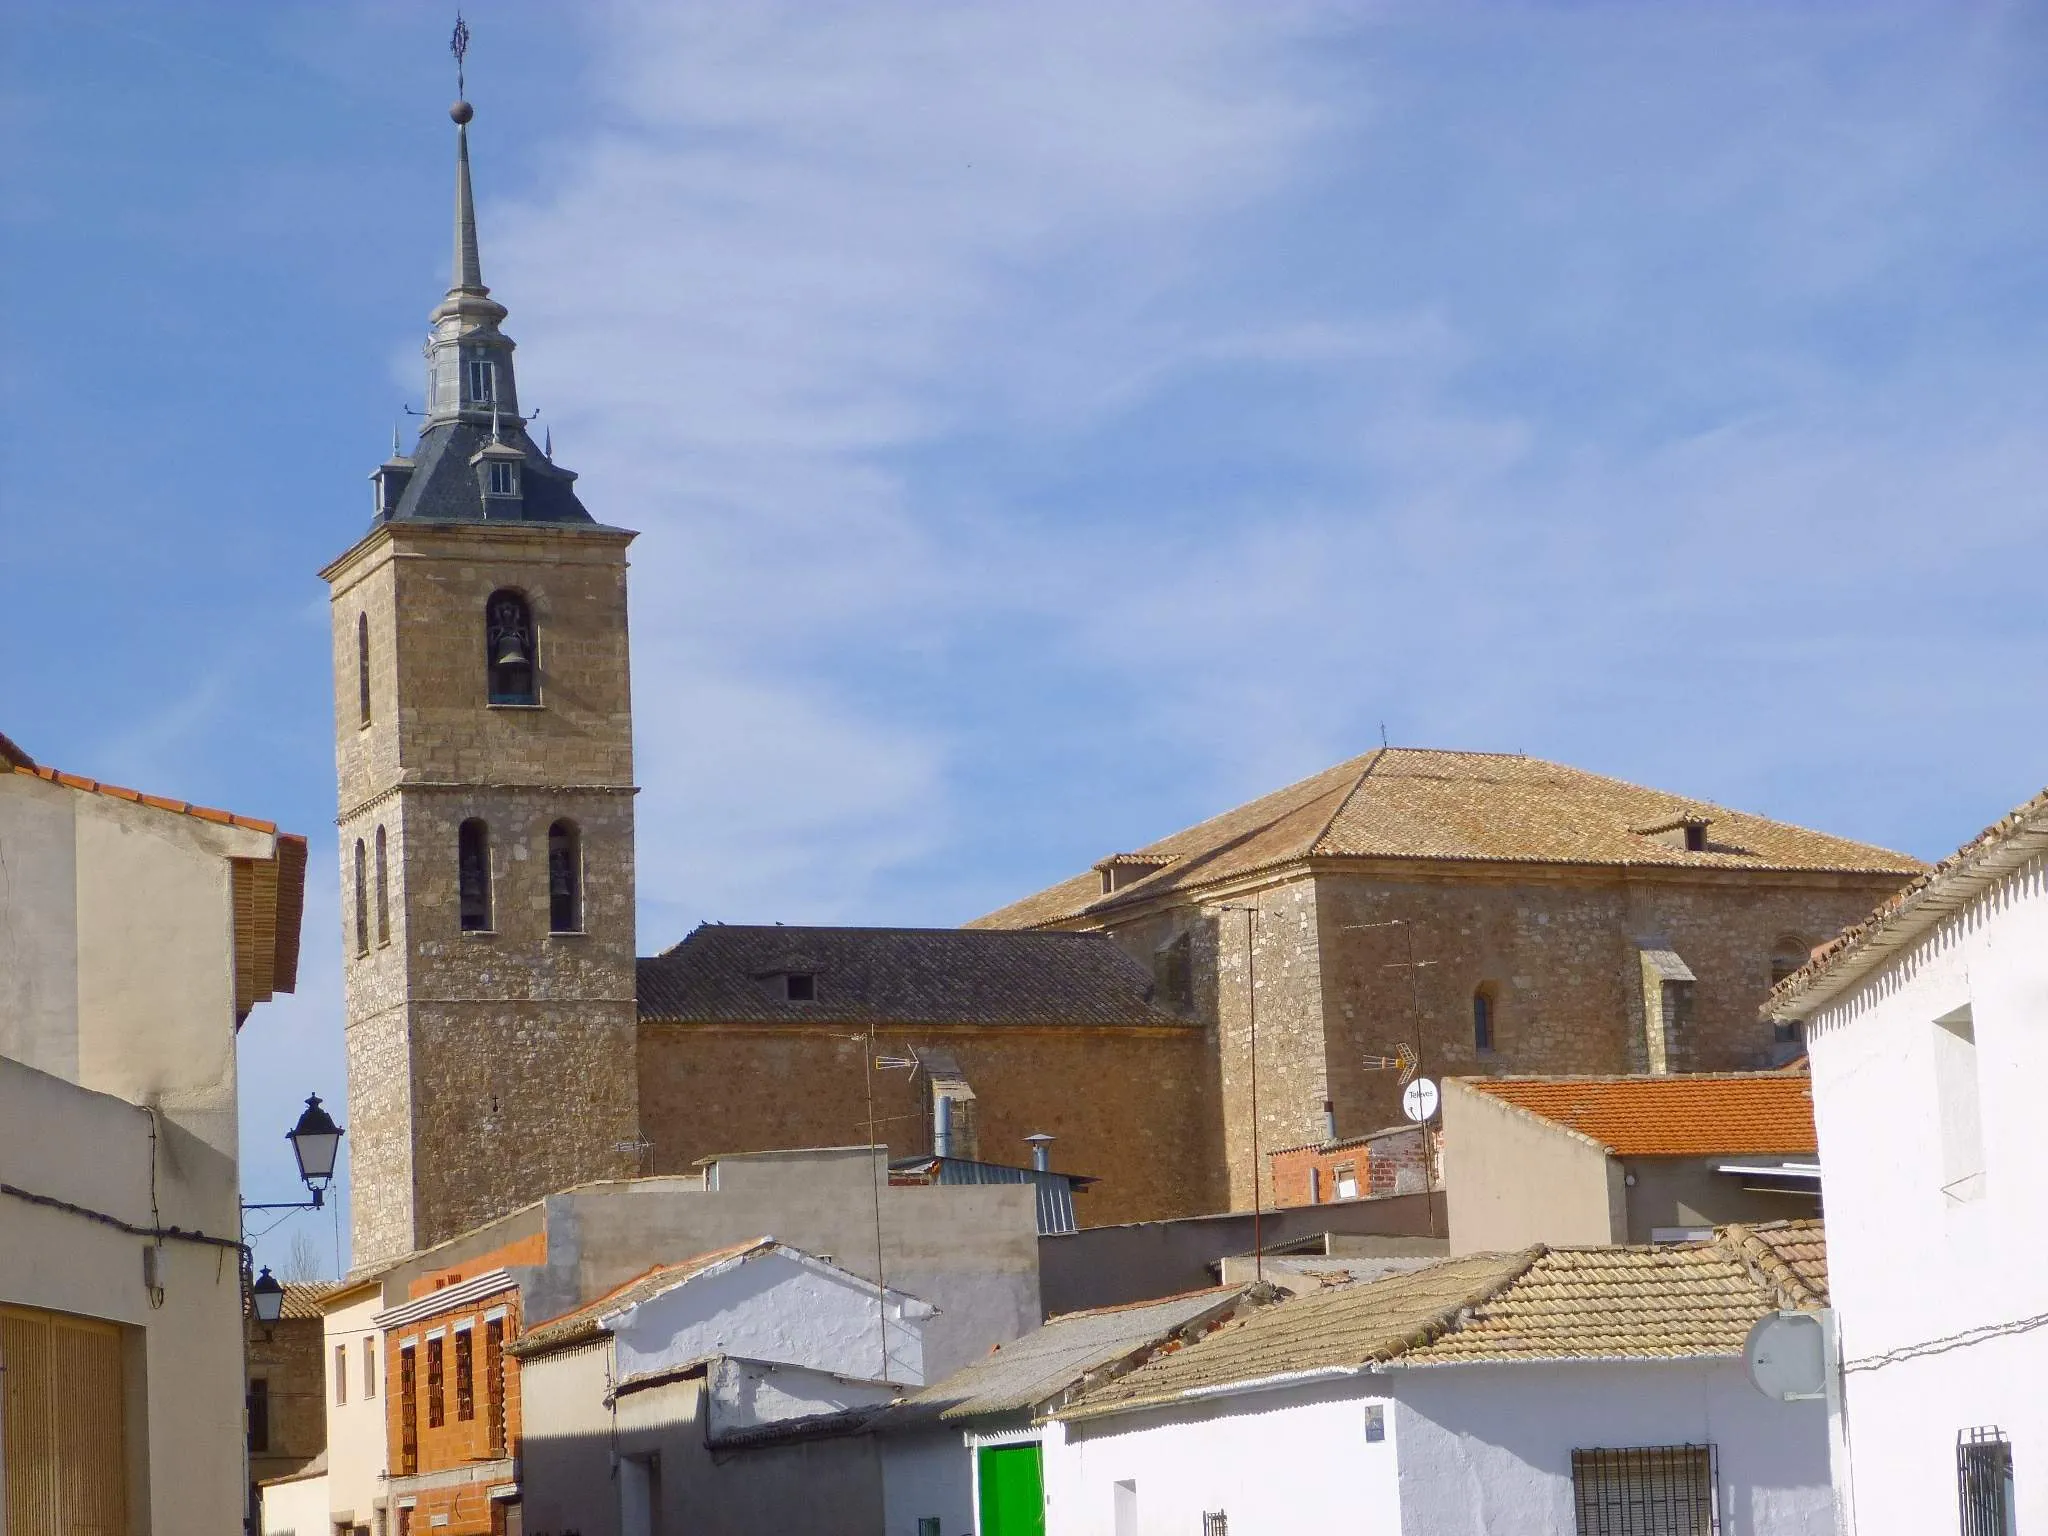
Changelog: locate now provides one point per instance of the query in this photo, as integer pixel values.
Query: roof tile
(1684, 1115)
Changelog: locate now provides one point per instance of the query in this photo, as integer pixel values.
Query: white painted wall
(779, 1308)
(1911, 1264)
(356, 1464)
(117, 950)
(1487, 1450)
(1469, 1451)
(185, 1355)
(746, 1394)
(1292, 1461)
(296, 1508)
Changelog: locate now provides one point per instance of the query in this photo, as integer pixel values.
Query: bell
(510, 654)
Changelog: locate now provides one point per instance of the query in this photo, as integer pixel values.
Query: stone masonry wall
(1127, 1106)
(486, 1069)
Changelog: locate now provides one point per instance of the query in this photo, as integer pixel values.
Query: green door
(1012, 1492)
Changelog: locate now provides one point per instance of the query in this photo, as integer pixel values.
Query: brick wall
(287, 1357)
(458, 1443)
(1128, 1106)
(1396, 1161)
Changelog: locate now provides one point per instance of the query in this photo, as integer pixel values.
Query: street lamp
(266, 1298)
(316, 1140)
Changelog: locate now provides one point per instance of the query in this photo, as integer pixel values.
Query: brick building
(1501, 914)
(287, 1409)
(1400, 1160)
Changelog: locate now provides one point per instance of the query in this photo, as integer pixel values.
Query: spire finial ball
(462, 112)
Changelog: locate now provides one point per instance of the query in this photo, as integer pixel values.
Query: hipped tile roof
(1401, 803)
(1684, 1115)
(733, 974)
(1668, 1302)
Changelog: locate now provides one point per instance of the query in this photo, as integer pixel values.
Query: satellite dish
(1786, 1355)
(1419, 1100)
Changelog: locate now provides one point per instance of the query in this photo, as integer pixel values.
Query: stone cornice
(460, 541)
(451, 786)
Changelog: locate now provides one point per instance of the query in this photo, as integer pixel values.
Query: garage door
(61, 1439)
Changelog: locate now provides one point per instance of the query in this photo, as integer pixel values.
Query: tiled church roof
(736, 974)
(1409, 803)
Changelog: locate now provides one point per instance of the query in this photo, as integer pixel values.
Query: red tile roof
(1687, 1115)
(181, 807)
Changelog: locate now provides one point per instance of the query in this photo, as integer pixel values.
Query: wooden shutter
(62, 1418)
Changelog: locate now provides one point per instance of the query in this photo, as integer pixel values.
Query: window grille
(437, 1410)
(927, 1525)
(408, 1413)
(1215, 1523)
(494, 1385)
(465, 1378)
(1655, 1490)
(1984, 1482)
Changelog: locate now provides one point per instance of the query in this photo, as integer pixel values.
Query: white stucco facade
(1467, 1451)
(356, 1456)
(1934, 1147)
(782, 1307)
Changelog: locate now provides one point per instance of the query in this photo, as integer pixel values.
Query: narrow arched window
(383, 893)
(511, 655)
(565, 878)
(362, 901)
(1482, 1019)
(474, 874)
(363, 667)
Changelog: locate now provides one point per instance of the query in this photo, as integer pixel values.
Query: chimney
(942, 1126)
(1041, 1151)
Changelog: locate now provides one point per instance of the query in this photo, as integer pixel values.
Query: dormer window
(800, 987)
(1686, 832)
(503, 478)
(480, 374)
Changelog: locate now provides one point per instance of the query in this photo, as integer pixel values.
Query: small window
(341, 1375)
(369, 1368)
(437, 1411)
(800, 987)
(481, 375)
(1984, 1490)
(465, 1378)
(503, 479)
(927, 1525)
(1695, 837)
(362, 900)
(259, 1416)
(363, 668)
(408, 1412)
(1215, 1523)
(1375, 1422)
(1482, 1019)
(1346, 1177)
(565, 878)
(1645, 1489)
(383, 893)
(1958, 1106)
(474, 873)
(511, 656)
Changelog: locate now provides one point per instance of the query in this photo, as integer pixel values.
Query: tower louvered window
(511, 656)
(362, 900)
(383, 892)
(565, 878)
(363, 668)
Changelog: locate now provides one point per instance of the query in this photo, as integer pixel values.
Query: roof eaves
(2005, 846)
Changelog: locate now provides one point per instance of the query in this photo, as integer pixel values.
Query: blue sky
(1049, 424)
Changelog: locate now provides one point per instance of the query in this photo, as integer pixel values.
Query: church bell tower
(484, 756)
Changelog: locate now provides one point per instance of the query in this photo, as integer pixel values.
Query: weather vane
(458, 44)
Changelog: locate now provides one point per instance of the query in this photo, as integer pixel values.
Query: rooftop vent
(1687, 833)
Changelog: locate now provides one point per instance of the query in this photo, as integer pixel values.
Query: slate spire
(468, 276)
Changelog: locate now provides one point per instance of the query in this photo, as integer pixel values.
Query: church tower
(484, 754)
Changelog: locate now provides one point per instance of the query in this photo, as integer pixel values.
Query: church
(1158, 1015)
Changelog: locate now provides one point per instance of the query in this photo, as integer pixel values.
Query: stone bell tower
(484, 754)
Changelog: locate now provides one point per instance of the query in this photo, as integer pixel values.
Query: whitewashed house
(1598, 1390)
(1927, 1027)
(960, 1455)
(634, 1403)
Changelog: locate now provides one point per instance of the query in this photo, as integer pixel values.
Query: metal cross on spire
(458, 44)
